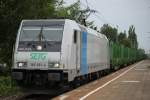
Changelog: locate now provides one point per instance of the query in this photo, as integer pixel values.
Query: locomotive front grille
(54, 76)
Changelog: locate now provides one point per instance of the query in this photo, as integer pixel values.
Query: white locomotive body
(56, 51)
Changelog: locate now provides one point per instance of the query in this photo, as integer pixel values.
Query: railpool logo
(38, 56)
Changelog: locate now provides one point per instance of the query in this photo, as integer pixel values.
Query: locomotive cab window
(49, 33)
(48, 37)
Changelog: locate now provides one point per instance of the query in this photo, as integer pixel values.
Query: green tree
(110, 32)
(70, 12)
(74, 12)
(122, 39)
(121, 36)
(132, 37)
(11, 14)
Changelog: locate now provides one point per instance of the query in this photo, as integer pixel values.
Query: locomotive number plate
(38, 64)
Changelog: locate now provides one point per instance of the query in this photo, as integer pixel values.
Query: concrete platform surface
(130, 83)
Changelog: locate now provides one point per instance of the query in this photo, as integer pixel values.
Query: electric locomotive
(56, 51)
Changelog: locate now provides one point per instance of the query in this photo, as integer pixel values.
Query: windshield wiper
(40, 36)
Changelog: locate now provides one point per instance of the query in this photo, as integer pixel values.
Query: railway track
(36, 97)
(48, 95)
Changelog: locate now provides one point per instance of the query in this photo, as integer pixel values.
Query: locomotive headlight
(21, 64)
(39, 47)
(56, 65)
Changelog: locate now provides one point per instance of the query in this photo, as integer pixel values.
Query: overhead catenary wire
(87, 4)
(97, 13)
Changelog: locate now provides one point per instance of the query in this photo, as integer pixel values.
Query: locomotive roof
(61, 22)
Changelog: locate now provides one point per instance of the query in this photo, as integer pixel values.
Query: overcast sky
(123, 13)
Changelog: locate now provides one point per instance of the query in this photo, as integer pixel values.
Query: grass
(7, 87)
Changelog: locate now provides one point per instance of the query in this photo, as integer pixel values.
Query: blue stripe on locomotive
(83, 66)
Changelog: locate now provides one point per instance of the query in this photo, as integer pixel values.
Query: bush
(7, 87)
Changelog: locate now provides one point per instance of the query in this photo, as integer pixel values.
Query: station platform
(129, 83)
